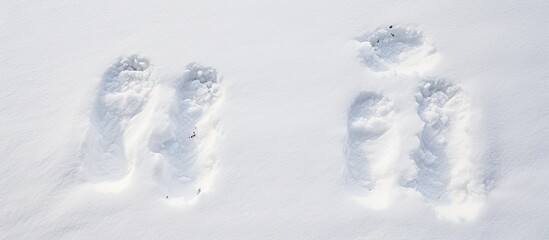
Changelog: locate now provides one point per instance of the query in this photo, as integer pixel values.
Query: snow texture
(369, 119)
(447, 170)
(183, 135)
(312, 120)
(143, 128)
(123, 92)
(396, 48)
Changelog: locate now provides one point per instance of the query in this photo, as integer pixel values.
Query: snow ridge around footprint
(123, 92)
(396, 48)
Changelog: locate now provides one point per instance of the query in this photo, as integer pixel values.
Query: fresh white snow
(274, 120)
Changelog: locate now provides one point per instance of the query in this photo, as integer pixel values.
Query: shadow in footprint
(369, 119)
(123, 91)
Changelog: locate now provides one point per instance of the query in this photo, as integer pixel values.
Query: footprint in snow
(396, 48)
(368, 142)
(123, 92)
(184, 139)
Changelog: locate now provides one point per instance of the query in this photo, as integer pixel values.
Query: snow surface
(274, 120)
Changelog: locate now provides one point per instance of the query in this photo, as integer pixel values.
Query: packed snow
(274, 120)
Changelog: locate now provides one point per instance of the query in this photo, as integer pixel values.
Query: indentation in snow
(448, 174)
(123, 92)
(396, 48)
(142, 131)
(369, 119)
(184, 132)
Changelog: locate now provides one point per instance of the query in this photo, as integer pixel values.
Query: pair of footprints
(152, 130)
(442, 168)
(170, 124)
